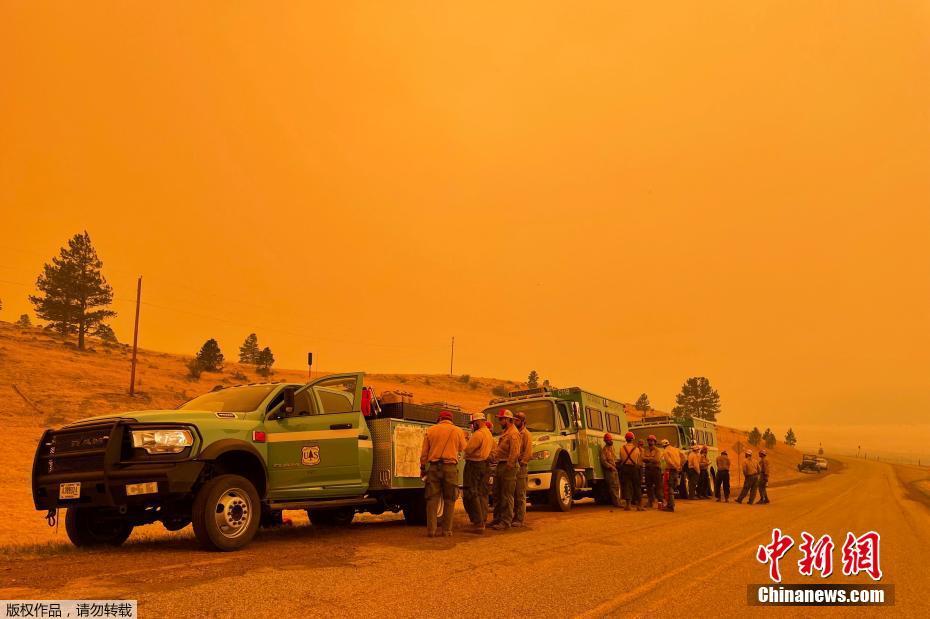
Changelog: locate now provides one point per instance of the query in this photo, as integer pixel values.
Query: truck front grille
(75, 450)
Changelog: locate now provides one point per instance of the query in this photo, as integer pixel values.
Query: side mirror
(288, 407)
(576, 416)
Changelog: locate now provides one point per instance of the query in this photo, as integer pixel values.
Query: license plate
(149, 487)
(70, 490)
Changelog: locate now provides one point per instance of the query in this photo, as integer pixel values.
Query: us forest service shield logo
(310, 455)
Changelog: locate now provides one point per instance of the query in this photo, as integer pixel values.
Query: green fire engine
(568, 427)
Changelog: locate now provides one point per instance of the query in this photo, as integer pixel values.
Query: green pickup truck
(231, 460)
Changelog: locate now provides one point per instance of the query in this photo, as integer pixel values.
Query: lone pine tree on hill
(790, 439)
(697, 399)
(210, 358)
(249, 351)
(642, 404)
(755, 437)
(23, 322)
(532, 381)
(74, 293)
(264, 361)
(769, 438)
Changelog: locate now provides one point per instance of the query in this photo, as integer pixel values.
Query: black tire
(561, 492)
(601, 493)
(226, 513)
(415, 511)
(537, 498)
(89, 526)
(331, 517)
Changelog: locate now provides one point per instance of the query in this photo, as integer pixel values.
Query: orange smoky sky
(619, 194)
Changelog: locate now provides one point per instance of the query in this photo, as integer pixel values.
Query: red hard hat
(446, 415)
(630, 436)
(608, 437)
(651, 437)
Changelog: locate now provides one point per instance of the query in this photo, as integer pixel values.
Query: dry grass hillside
(45, 381)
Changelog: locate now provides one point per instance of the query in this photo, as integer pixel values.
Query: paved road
(595, 561)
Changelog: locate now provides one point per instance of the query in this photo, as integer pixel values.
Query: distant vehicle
(821, 463)
(809, 464)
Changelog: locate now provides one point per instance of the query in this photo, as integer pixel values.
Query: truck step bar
(321, 503)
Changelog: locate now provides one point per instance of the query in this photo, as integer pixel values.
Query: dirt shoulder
(916, 481)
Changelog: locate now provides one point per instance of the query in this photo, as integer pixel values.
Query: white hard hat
(478, 417)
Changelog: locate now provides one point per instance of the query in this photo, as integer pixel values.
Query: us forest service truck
(680, 432)
(568, 427)
(233, 459)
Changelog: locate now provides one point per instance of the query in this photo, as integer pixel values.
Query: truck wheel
(415, 511)
(602, 493)
(88, 527)
(226, 513)
(331, 517)
(561, 494)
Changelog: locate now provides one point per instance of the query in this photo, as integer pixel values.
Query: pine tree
(210, 358)
(249, 351)
(105, 332)
(697, 399)
(642, 404)
(769, 438)
(755, 437)
(74, 291)
(264, 361)
(532, 380)
(790, 439)
(24, 322)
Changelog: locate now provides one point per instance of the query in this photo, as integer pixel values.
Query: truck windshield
(660, 432)
(232, 400)
(540, 415)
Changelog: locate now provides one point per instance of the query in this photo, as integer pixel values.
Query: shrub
(194, 369)
(500, 391)
(464, 378)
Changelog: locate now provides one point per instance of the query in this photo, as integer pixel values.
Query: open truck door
(318, 440)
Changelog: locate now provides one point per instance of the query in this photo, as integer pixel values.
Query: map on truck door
(408, 442)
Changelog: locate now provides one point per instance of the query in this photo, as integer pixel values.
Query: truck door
(316, 451)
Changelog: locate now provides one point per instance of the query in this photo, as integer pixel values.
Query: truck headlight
(541, 455)
(162, 441)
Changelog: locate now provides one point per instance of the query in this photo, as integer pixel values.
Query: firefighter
(439, 460)
(673, 460)
(477, 470)
(507, 454)
(722, 487)
(763, 477)
(609, 464)
(750, 478)
(631, 466)
(652, 459)
(694, 471)
(704, 481)
(526, 454)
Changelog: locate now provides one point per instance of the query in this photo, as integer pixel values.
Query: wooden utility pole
(135, 341)
(452, 358)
